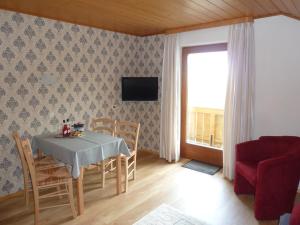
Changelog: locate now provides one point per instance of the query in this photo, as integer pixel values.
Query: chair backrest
(103, 125)
(29, 160)
(18, 140)
(129, 131)
(280, 145)
(287, 139)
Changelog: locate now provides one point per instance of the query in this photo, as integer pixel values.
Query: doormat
(201, 167)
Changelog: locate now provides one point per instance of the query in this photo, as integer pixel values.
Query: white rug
(167, 215)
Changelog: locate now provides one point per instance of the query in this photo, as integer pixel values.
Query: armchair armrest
(289, 162)
(276, 186)
(279, 175)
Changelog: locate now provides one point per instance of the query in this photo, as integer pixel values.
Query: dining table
(80, 152)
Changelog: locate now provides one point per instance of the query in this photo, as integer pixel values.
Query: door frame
(205, 154)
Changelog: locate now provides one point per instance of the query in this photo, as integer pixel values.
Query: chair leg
(26, 188)
(26, 192)
(36, 208)
(99, 169)
(71, 198)
(126, 175)
(134, 169)
(58, 188)
(103, 173)
(39, 154)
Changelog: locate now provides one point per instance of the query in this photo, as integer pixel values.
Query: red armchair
(295, 216)
(270, 169)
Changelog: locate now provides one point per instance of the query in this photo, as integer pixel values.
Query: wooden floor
(208, 198)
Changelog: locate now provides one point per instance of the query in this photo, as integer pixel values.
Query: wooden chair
(48, 179)
(40, 163)
(105, 126)
(129, 131)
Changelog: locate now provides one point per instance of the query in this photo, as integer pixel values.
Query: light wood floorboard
(208, 198)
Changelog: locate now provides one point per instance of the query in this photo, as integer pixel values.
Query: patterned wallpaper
(51, 70)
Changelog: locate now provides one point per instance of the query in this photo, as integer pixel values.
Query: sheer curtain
(240, 92)
(170, 100)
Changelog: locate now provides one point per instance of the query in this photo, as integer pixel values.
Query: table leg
(39, 154)
(80, 197)
(119, 175)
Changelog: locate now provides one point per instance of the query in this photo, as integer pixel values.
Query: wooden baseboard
(10, 196)
(152, 151)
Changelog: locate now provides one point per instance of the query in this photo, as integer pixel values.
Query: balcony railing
(205, 127)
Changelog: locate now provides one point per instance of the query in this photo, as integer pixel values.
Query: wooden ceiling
(147, 17)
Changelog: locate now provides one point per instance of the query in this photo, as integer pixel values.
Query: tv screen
(139, 88)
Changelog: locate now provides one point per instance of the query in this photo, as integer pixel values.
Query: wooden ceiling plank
(255, 8)
(227, 8)
(205, 15)
(141, 2)
(35, 5)
(199, 9)
(173, 7)
(122, 12)
(297, 4)
(239, 6)
(203, 10)
(182, 7)
(108, 21)
(37, 8)
(209, 25)
(292, 9)
(165, 12)
(195, 8)
(144, 17)
(213, 8)
(268, 5)
(280, 6)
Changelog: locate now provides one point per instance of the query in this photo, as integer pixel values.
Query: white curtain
(238, 116)
(170, 100)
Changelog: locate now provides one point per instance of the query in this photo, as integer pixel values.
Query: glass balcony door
(204, 82)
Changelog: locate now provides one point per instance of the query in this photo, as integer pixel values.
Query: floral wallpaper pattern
(51, 70)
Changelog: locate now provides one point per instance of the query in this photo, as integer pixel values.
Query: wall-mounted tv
(139, 88)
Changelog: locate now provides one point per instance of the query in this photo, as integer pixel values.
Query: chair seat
(132, 153)
(47, 162)
(52, 176)
(248, 170)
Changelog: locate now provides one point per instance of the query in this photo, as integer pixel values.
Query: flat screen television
(139, 88)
